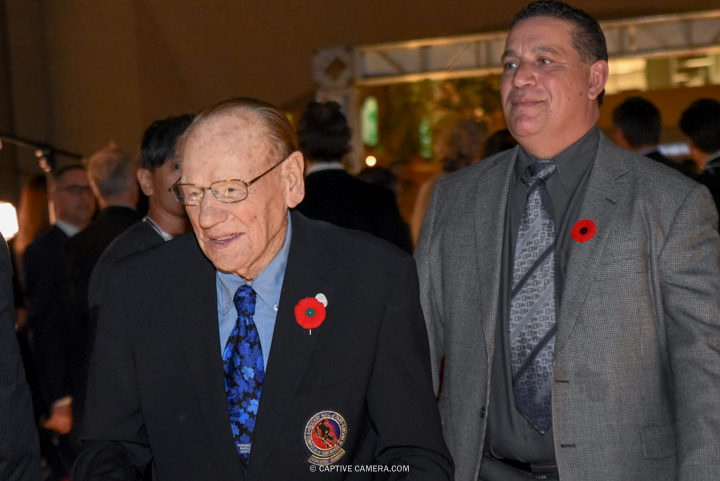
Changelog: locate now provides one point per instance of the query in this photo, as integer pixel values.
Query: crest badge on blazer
(325, 433)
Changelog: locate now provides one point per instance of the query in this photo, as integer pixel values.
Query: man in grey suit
(572, 287)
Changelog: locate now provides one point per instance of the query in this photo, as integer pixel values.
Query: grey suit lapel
(606, 191)
(490, 205)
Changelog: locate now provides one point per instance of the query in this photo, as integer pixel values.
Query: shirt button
(275, 307)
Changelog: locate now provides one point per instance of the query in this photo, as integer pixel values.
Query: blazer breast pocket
(620, 268)
(658, 441)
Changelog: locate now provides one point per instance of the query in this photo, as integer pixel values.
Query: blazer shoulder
(182, 252)
(340, 243)
(656, 178)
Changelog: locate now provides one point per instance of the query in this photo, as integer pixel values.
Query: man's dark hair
(587, 37)
(158, 142)
(701, 122)
(323, 132)
(639, 121)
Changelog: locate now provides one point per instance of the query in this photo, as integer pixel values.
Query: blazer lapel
(197, 324)
(606, 192)
(490, 205)
(305, 276)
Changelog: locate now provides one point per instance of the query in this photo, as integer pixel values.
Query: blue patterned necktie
(244, 371)
(532, 305)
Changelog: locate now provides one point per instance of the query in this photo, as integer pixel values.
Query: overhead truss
(479, 55)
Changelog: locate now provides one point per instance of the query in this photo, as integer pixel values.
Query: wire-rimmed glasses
(226, 191)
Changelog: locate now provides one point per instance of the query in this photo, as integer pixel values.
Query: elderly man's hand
(61, 419)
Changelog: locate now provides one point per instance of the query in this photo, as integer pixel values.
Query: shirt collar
(570, 164)
(320, 166)
(69, 229)
(148, 220)
(267, 285)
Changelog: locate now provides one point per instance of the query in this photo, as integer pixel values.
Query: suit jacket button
(482, 412)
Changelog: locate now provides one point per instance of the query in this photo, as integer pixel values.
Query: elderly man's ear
(293, 170)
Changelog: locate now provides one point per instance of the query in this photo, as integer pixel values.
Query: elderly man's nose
(211, 210)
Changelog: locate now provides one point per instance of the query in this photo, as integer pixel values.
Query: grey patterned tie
(532, 305)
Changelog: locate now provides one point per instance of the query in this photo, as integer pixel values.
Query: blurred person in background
(33, 220)
(112, 174)
(637, 127)
(457, 147)
(500, 141)
(33, 215)
(166, 218)
(49, 312)
(333, 195)
(700, 123)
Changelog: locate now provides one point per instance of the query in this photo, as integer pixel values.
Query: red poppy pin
(583, 230)
(310, 312)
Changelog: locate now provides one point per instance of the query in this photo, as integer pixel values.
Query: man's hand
(60, 419)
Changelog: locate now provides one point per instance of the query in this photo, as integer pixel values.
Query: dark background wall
(79, 73)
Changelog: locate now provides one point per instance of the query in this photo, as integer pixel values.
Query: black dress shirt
(509, 434)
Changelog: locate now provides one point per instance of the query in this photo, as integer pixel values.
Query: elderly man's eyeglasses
(227, 191)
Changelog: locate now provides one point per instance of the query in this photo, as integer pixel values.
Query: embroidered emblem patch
(325, 433)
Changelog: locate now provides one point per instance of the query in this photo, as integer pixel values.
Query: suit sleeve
(19, 448)
(400, 397)
(113, 435)
(427, 295)
(689, 272)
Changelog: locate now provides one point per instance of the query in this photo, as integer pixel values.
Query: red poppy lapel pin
(310, 312)
(583, 230)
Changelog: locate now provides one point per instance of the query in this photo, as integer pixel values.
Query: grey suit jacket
(636, 391)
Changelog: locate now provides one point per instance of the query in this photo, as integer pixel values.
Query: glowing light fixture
(370, 161)
(8, 220)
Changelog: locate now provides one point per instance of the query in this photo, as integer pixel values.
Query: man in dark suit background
(223, 359)
(637, 127)
(112, 178)
(166, 218)
(49, 309)
(333, 195)
(700, 122)
(572, 287)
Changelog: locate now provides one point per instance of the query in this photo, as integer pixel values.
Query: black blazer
(19, 448)
(156, 390)
(341, 199)
(50, 315)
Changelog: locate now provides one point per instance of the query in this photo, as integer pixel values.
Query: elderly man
(266, 346)
(572, 287)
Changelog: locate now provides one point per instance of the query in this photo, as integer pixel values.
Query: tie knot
(244, 300)
(541, 170)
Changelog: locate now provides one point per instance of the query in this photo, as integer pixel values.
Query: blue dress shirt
(267, 286)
